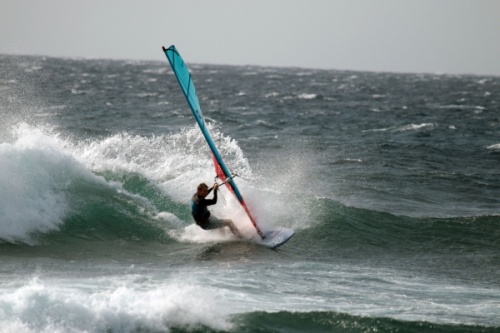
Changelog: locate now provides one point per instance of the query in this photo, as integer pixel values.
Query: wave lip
(32, 175)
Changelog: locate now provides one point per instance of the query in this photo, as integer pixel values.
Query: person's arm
(213, 201)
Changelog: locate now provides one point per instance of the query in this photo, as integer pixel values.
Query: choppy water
(391, 181)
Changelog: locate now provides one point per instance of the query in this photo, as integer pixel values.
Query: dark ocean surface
(391, 181)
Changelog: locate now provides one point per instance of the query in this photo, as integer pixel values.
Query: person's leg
(215, 223)
(232, 227)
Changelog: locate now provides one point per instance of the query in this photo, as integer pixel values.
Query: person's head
(202, 191)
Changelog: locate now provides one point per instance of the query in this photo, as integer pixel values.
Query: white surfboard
(274, 238)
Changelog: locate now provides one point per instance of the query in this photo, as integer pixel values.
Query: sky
(416, 36)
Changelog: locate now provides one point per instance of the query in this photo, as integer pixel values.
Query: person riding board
(202, 215)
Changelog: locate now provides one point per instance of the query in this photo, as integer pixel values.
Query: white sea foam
(494, 147)
(33, 171)
(176, 163)
(75, 91)
(379, 129)
(462, 107)
(194, 234)
(147, 94)
(414, 127)
(404, 128)
(272, 94)
(109, 304)
(169, 218)
(307, 96)
(353, 160)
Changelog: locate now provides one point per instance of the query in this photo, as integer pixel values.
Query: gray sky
(443, 36)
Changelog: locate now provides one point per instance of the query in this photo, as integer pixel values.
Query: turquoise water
(391, 182)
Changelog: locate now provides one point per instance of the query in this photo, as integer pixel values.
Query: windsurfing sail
(187, 86)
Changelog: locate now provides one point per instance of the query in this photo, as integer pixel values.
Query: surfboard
(275, 238)
(271, 239)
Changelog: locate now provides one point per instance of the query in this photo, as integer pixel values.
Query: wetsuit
(202, 215)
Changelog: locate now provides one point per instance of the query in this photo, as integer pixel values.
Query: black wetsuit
(199, 207)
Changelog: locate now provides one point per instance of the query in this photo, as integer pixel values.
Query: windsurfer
(202, 215)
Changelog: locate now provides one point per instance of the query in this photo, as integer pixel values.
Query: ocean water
(391, 181)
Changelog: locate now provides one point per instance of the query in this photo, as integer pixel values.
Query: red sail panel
(252, 219)
(222, 176)
(218, 170)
